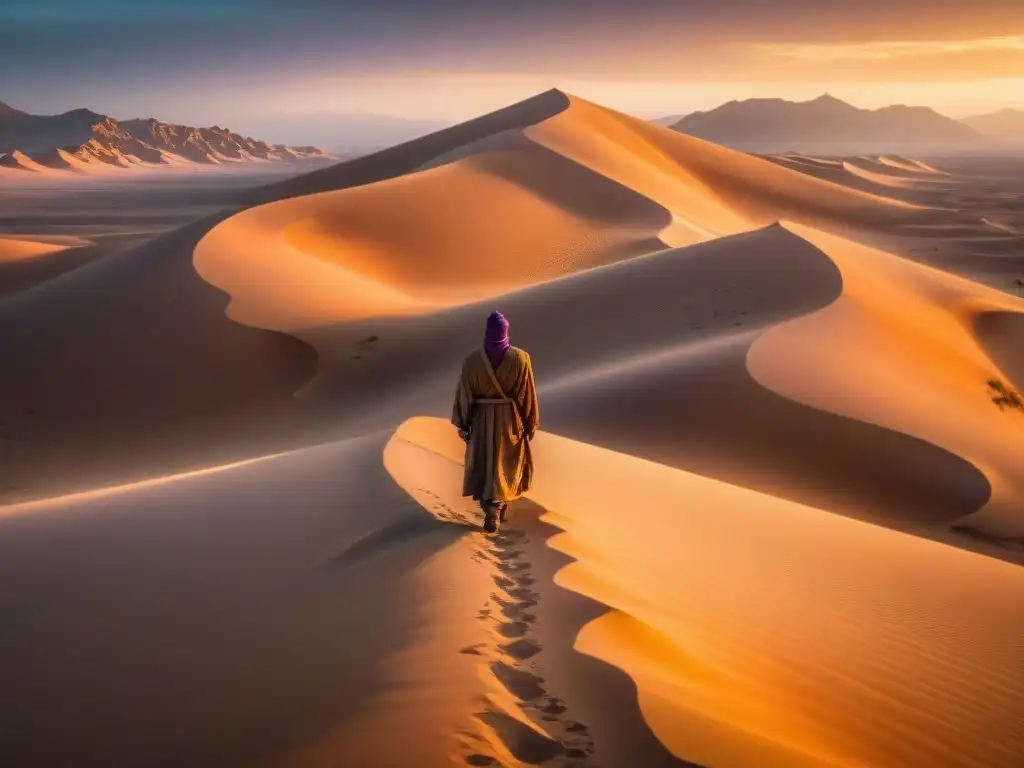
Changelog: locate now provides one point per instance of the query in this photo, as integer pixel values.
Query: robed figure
(496, 414)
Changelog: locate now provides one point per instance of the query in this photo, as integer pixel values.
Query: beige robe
(499, 466)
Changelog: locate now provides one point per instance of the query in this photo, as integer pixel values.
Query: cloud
(898, 60)
(888, 50)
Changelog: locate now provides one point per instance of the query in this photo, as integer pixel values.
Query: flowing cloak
(499, 465)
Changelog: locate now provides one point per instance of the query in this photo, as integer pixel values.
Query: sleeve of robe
(528, 405)
(462, 410)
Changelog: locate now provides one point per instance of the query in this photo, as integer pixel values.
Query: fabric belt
(520, 424)
(493, 400)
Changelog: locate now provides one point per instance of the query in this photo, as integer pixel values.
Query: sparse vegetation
(364, 346)
(1006, 542)
(1005, 396)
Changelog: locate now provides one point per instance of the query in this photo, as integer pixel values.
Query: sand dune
(690, 190)
(733, 366)
(16, 249)
(19, 161)
(407, 157)
(844, 689)
(978, 221)
(380, 234)
(669, 382)
(875, 176)
(52, 163)
(909, 164)
(110, 360)
(46, 257)
(399, 246)
(897, 326)
(882, 179)
(23, 259)
(273, 649)
(732, 191)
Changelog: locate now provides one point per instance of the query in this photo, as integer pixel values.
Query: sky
(230, 61)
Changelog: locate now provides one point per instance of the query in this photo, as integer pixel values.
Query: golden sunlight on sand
(761, 631)
(777, 518)
(16, 249)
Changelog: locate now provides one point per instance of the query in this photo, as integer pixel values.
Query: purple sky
(225, 61)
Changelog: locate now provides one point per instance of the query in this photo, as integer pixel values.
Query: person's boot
(490, 521)
(502, 515)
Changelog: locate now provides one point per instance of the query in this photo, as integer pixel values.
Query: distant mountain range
(87, 141)
(82, 140)
(826, 120)
(1006, 124)
(668, 121)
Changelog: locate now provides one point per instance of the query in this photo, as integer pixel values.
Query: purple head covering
(496, 341)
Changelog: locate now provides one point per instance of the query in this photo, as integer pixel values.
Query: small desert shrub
(1007, 542)
(1004, 396)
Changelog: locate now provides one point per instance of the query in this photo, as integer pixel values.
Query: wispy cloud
(887, 50)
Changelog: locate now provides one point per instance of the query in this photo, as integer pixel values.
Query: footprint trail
(525, 723)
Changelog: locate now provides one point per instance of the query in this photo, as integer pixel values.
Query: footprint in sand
(562, 743)
(524, 685)
(512, 568)
(526, 744)
(521, 649)
(504, 583)
(516, 612)
(523, 594)
(366, 345)
(513, 629)
(554, 707)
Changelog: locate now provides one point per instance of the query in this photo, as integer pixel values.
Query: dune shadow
(388, 538)
(1001, 335)
(395, 534)
(238, 633)
(136, 369)
(1015, 543)
(17, 276)
(725, 425)
(604, 696)
(408, 156)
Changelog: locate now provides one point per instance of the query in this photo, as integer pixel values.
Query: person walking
(496, 414)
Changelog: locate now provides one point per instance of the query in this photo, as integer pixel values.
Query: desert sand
(779, 513)
(19, 249)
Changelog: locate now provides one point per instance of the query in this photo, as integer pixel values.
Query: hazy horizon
(359, 131)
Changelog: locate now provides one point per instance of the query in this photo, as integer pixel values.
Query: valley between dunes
(779, 510)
